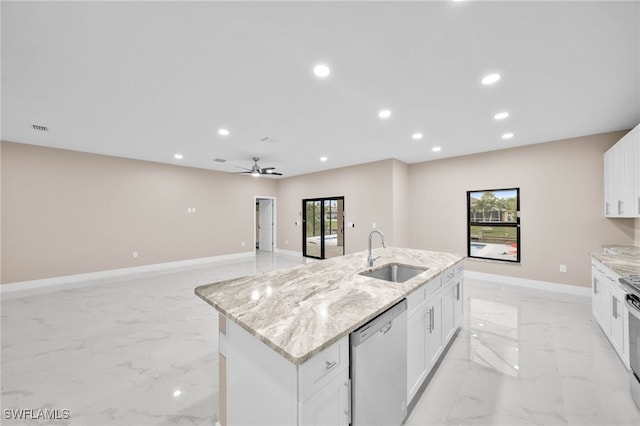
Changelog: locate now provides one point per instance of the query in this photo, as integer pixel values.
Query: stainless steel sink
(394, 272)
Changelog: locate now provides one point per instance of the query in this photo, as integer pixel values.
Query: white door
(265, 225)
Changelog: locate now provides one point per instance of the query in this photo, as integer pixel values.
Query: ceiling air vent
(39, 128)
(219, 160)
(269, 139)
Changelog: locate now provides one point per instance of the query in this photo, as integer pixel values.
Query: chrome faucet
(370, 259)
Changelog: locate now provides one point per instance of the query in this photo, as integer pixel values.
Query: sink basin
(394, 272)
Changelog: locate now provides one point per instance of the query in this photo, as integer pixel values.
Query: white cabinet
(622, 176)
(447, 312)
(263, 388)
(458, 300)
(598, 286)
(435, 311)
(330, 404)
(417, 366)
(452, 301)
(609, 308)
(434, 329)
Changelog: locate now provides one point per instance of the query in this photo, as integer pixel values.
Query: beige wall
(400, 203)
(561, 190)
(368, 198)
(67, 212)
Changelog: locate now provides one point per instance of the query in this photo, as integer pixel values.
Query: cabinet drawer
(459, 268)
(415, 299)
(435, 285)
(448, 276)
(321, 368)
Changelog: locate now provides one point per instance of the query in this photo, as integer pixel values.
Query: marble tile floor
(141, 349)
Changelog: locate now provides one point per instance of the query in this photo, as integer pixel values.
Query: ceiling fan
(256, 170)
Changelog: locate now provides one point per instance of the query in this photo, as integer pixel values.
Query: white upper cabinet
(622, 177)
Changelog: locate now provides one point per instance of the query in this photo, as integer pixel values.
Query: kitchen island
(284, 349)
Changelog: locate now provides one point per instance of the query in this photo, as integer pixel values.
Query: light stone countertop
(300, 311)
(623, 260)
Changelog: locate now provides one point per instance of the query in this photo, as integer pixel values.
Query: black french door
(323, 227)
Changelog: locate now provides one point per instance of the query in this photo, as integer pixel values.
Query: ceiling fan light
(255, 174)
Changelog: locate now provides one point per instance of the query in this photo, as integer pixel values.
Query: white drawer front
(415, 299)
(322, 367)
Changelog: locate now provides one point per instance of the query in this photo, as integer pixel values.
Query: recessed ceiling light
(178, 156)
(501, 115)
(507, 136)
(321, 70)
(436, 149)
(416, 136)
(491, 78)
(223, 132)
(385, 113)
(323, 158)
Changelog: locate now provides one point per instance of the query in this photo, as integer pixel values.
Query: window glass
(493, 224)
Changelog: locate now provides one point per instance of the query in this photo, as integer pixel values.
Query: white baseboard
(524, 282)
(289, 252)
(70, 279)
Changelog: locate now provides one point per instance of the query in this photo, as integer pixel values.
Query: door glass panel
(333, 228)
(313, 225)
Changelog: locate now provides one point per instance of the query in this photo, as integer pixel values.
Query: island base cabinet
(261, 385)
(330, 405)
(434, 331)
(436, 310)
(417, 367)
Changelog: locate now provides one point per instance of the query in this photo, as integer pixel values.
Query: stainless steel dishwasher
(379, 369)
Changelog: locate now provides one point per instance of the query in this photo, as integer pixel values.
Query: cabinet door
(610, 196)
(458, 300)
(330, 405)
(617, 325)
(447, 311)
(434, 329)
(416, 351)
(626, 156)
(636, 171)
(597, 284)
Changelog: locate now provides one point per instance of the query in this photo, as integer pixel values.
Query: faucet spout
(370, 258)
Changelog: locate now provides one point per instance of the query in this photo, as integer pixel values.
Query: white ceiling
(147, 80)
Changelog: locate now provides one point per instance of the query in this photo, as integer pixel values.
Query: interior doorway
(323, 227)
(265, 223)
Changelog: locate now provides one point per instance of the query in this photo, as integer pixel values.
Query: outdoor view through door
(323, 227)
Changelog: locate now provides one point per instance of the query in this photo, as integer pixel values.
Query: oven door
(633, 305)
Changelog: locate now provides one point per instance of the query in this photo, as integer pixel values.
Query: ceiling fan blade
(275, 173)
(268, 168)
(243, 168)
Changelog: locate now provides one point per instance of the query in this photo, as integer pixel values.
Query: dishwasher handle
(382, 323)
(386, 328)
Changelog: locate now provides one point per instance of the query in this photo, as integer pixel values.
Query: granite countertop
(300, 311)
(623, 260)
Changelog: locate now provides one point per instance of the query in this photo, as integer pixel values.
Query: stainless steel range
(632, 283)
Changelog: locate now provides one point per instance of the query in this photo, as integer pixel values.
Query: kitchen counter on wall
(623, 260)
(300, 311)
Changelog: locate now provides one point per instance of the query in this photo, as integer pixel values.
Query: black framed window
(493, 224)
